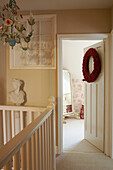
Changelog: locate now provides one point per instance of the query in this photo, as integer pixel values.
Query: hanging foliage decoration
(91, 77)
(12, 30)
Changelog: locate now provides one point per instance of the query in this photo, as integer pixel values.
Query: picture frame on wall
(42, 47)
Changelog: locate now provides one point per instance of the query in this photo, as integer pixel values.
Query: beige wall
(2, 74)
(40, 84)
(82, 21)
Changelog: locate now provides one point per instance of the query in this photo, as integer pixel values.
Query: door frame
(108, 123)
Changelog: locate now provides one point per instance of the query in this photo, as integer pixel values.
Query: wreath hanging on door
(91, 77)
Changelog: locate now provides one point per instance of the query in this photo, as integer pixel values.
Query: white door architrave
(108, 125)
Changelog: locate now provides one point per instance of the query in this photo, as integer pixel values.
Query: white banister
(17, 161)
(4, 126)
(12, 123)
(14, 119)
(33, 152)
(33, 148)
(45, 143)
(43, 158)
(37, 150)
(53, 138)
(24, 157)
(29, 161)
(40, 163)
(48, 150)
(30, 116)
(41, 148)
(21, 121)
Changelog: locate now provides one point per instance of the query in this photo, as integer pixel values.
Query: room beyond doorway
(73, 95)
(105, 38)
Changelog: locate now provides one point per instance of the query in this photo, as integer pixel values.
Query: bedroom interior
(74, 96)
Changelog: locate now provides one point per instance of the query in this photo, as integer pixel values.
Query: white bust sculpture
(16, 96)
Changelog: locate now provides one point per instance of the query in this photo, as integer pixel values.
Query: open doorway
(74, 96)
(106, 97)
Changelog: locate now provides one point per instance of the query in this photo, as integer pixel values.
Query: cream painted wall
(73, 52)
(3, 71)
(81, 21)
(39, 84)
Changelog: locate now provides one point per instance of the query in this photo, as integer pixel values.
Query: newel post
(51, 101)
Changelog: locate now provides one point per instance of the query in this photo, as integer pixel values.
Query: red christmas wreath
(97, 65)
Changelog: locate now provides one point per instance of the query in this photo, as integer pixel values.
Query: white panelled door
(94, 103)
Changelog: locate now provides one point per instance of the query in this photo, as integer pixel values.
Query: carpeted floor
(83, 161)
(73, 137)
(74, 157)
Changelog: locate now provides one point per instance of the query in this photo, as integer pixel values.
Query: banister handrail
(22, 108)
(13, 146)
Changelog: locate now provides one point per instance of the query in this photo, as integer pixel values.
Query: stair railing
(16, 118)
(34, 147)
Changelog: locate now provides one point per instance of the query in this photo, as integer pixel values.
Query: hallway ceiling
(61, 4)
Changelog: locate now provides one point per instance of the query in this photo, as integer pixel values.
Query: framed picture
(42, 47)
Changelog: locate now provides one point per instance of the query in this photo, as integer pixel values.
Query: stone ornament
(17, 95)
